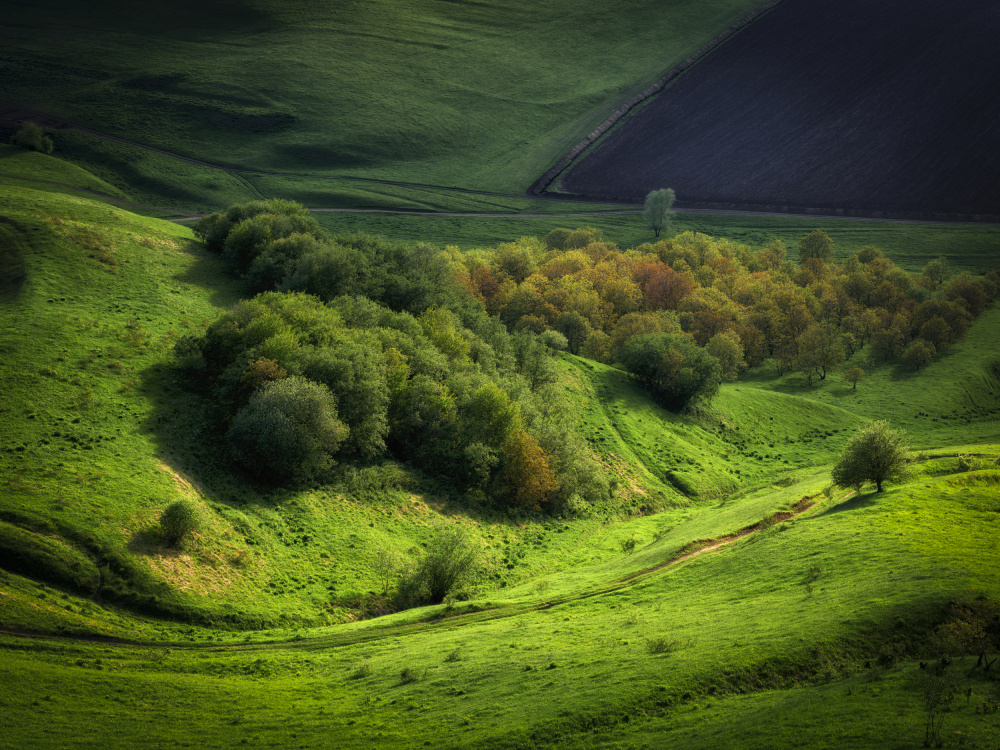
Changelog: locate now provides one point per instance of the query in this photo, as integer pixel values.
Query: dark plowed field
(864, 106)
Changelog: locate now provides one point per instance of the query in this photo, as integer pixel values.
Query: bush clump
(288, 431)
(450, 563)
(177, 522)
(31, 137)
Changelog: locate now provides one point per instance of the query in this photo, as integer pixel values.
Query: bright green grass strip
(740, 616)
(876, 709)
(972, 247)
(29, 165)
(469, 94)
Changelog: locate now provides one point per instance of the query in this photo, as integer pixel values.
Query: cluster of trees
(741, 306)
(399, 361)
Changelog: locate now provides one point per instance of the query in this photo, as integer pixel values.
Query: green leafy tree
(876, 454)
(289, 431)
(575, 328)
(673, 368)
(936, 272)
(919, 353)
(816, 245)
(821, 350)
(854, 375)
(727, 348)
(658, 209)
(450, 562)
(31, 137)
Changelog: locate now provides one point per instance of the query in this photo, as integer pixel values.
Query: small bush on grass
(363, 670)
(408, 675)
(177, 522)
(449, 563)
(662, 645)
(31, 137)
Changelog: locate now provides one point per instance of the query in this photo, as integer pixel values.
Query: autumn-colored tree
(260, 371)
(662, 287)
(527, 474)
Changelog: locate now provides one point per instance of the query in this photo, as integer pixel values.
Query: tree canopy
(876, 454)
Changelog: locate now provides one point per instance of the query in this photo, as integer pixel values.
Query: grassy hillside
(585, 629)
(476, 95)
(526, 672)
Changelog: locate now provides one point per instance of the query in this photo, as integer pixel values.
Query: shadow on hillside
(853, 503)
(208, 272)
(13, 271)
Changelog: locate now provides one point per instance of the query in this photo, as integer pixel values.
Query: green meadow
(805, 630)
(724, 593)
(456, 94)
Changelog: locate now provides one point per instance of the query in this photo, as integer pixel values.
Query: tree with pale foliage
(876, 454)
(658, 210)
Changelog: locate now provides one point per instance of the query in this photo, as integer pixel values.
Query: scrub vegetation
(281, 477)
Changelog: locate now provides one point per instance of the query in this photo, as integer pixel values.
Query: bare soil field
(878, 109)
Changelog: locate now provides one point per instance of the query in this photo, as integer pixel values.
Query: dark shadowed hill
(860, 106)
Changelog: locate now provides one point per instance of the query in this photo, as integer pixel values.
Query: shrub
(177, 522)
(450, 562)
(661, 645)
(363, 670)
(31, 137)
(408, 675)
(288, 431)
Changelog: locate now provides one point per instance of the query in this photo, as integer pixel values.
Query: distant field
(972, 247)
(473, 94)
(886, 106)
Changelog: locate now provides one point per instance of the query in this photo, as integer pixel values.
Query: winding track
(678, 557)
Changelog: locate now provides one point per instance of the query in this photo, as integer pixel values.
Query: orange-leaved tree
(528, 477)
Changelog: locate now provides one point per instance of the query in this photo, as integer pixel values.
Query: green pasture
(471, 95)
(103, 438)
(973, 247)
(259, 632)
(571, 670)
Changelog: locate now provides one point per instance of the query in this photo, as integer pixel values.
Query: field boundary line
(539, 185)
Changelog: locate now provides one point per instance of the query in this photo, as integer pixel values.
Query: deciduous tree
(876, 454)
(658, 209)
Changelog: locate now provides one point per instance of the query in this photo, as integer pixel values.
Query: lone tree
(876, 454)
(658, 210)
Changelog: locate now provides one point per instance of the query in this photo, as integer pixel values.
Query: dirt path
(459, 619)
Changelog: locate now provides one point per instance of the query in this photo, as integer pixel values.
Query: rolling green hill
(803, 628)
(467, 94)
